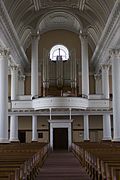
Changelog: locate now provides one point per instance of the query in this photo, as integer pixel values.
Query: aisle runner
(62, 166)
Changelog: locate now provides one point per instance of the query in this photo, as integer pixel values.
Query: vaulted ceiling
(28, 16)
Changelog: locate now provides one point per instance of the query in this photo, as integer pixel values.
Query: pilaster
(105, 80)
(98, 83)
(21, 81)
(14, 82)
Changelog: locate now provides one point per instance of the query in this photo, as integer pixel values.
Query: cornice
(101, 53)
(12, 40)
(39, 4)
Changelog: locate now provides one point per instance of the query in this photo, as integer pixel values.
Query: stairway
(62, 166)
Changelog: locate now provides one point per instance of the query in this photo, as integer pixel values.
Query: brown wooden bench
(101, 160)
(18, 161)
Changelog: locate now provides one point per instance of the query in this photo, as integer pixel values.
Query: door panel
(60, 138)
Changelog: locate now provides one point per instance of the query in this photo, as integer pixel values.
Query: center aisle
(62, 166)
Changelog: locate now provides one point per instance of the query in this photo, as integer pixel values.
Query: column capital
(97, 76)
(4, 51)
(35, 35)
(83, 35)
(20, 69)
(115, 53)
(21, 77)
(14, 67)
(105, 67)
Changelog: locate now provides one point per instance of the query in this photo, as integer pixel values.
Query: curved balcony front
(60, 102)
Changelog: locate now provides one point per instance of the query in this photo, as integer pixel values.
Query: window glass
(59, 52)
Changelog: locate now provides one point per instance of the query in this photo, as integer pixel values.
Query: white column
(34, 128)
(34, 65)
(106, 127)
(21, 80)
(69, 137)
(105, 80)
(14, 93)
(51, 136)
(14, 128)
(115, 53)
(105, 91)
(86, 128)
(4, 53)
(85, 65)
(98, 83)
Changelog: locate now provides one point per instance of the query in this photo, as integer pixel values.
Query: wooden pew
(101, 160)
(21, 161)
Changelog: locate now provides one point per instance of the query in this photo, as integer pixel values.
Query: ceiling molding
(107, 38)
(12, 40)
(40, 4)
(37, 4)
(21, 17)
(60, 19)
(81, 4)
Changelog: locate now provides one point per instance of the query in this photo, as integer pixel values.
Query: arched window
(59, 52)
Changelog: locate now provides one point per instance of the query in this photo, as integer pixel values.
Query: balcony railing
(60, 102)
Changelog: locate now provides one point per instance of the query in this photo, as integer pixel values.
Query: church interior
(60, 62)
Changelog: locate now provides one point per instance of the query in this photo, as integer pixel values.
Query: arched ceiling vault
(27, 15)
(60, 20)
